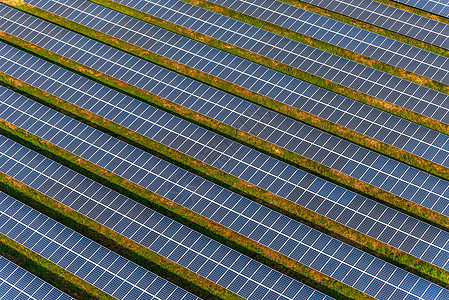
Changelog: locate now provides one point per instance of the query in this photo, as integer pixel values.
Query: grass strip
(46, 270)
(416, 11)
(143, 256)
(267, 102)
(104, 236)
(203, 224)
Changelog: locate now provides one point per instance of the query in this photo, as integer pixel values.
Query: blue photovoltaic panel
(375, 123)
(331, 67)
(18, 283)
(79, 255)
(188, 248)
(353, 38)
(391, 18)
(356, 161)
(439, 7)
(248, 218)
(266, 172)
(346, 112)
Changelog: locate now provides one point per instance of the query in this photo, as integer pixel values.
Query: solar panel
(355, 161)
(346, 112)
(160, 234)
(332, 257)
(334, 68)
(348, 73)
(372, 122)
(439, 7)
(349, 37)
(335, 108)
(249, 165)
(214, 202)
(18, 283)
(77, 254)
(391, 18)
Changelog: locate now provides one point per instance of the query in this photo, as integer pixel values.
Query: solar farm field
(224, 149)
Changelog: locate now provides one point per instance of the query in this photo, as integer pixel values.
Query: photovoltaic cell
(248, 218)
(358, 162)
(18, 283)
(391, 18)
(160, 234)
(77, 254)
(353, 38)
(439, 7)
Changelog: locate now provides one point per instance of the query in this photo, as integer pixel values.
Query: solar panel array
(315, 61)
(310, 247)
(375, 123)
(391, 18)
(439, 7)
(191, 250)
(75, 253)
(160, 234)
(298, 186)
(103, 154)
(17, 283)
(350, 37)
(351, 159)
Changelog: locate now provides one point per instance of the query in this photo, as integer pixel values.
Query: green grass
(197, 222)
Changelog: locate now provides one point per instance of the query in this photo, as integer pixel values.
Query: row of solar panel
(170, 239)
(424, 148)
(284, 180)
(332, 67)
(406, 135)
(428, 195)
(391, 18)
(439, 7)
(234, 69)
(256, 295)
(310, 247)
(86, 259)
(19, 284)
(349, 37)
